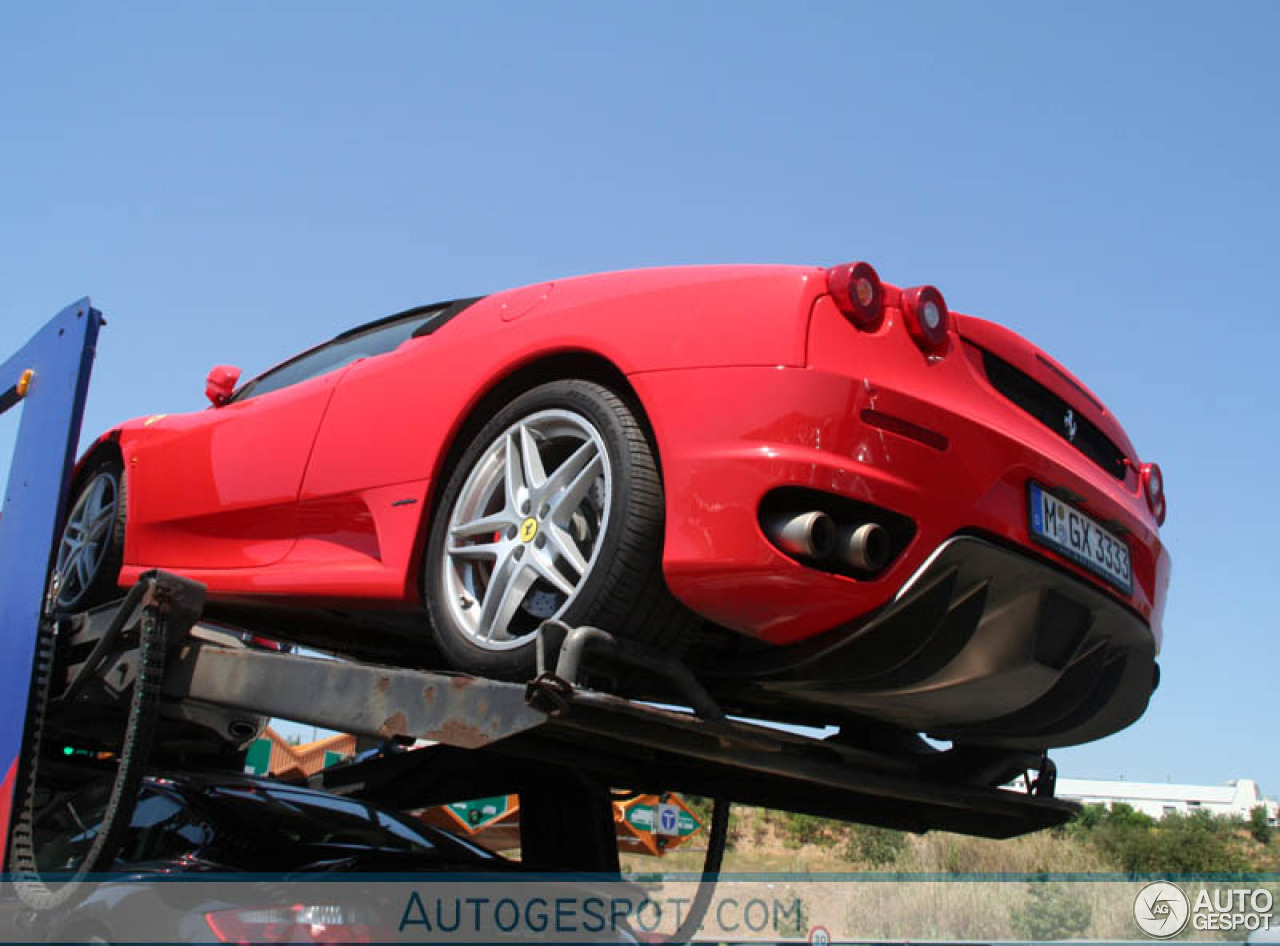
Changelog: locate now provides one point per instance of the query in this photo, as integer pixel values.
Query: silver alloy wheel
(526, 528)
(86, 537)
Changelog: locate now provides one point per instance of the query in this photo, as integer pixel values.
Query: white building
(1237, 798)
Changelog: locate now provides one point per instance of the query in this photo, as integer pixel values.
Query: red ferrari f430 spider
(839, 499)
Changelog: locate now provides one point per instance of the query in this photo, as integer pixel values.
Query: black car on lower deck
(206, 827)
(230, 858)
(251, 825)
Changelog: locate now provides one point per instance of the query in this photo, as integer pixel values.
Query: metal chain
(138, 736)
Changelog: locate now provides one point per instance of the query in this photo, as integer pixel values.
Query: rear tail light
(858, 293)
(296, 924)
(1152, 482)
(927, 317)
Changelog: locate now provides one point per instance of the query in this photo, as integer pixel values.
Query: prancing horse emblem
(1069, 422)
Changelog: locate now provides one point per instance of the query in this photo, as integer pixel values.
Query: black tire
(622, 591)
(102, 581)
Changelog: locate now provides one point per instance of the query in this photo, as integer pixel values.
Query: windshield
(299, 817)
(365, 341)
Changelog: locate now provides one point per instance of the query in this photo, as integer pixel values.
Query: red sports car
(841, 500)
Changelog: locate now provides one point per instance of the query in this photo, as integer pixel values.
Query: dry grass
(760, 842)
(1038, 853)
(765, 843)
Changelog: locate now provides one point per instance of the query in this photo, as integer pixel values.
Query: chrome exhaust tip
(806, 534)
(865, 547)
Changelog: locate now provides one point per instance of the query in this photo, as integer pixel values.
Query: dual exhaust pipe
(863, 547)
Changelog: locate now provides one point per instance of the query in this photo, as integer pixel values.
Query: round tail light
(1152, 481)
(857, 292)
(927, 317)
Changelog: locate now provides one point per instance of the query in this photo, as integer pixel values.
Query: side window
(325, 819)
(362, 343)
(161, 828)
(65, 830)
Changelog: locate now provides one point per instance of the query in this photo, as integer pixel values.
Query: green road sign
(679, 823)
(480, 811)
(258, 760)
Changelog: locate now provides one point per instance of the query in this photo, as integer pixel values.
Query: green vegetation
(1258, 826)
(1051, 913)
(1097, 840)
(879, 847)
(1191, 844)
(808, 829)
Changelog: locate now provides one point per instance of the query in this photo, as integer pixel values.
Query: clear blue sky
(233, 182)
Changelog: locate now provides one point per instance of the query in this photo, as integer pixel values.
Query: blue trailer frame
(48, 378)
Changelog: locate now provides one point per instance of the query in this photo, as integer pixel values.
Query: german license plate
(1080, 538)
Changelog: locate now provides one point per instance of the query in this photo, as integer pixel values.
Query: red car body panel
(219, 488)
(750, 378)
(391, 419)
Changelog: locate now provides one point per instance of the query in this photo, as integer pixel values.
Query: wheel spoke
(82, 571)
(485, 525)
(565, 544)
(484, 551)
(98, 528)
(105, 511)
(564, 505)
(534, 474)
(68, 549)
(68, 568)
(516, 490)
(93, 508)
(79, 515)
(546, 568)
(511, 581)
(567, 473)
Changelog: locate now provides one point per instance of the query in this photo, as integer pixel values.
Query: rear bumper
(983, 645)
(755, 430)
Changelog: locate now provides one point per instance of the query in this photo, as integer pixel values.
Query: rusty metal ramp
(486, 735)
